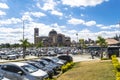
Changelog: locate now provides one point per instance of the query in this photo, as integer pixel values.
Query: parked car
(55, 60)
(2, 77)
(8, 56)
(51, 53)
(50, 65)
(43, 67)
(22, 71)
(68, 58)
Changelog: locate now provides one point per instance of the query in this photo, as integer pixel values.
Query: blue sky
(88, 18)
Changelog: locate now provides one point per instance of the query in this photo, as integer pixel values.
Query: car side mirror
(21, 73)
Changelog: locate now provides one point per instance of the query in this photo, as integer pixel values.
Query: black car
(68, 58)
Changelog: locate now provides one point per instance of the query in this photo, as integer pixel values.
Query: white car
(22, 71)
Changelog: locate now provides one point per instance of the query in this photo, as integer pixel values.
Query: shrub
(118, 74)
(104, 58)
(50, 79)
(64, 68)
(115, 60)
(113, 56)
(67, 66)
(117, 78)
(118, 67)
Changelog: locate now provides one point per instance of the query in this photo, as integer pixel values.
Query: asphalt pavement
(76, 58)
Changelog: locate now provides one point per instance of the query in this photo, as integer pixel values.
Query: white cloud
(103, 27)
(56, 13)
(10, 35)
(82, 3)
(90, 23)
(13, 35)
(38, 14)
(2, 13)
(75, 21)
(49, 5)
(10, 21)
(27, 17)
(82, 15)
(99, 25)
(38, 5)
(4, 6)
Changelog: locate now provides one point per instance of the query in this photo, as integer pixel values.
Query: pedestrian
(92, 54)
(67, 52)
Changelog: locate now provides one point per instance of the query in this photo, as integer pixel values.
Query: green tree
(24, 44)
(102, 43)
(40, 44)
(82, 44)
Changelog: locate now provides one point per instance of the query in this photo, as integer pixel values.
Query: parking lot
(50, 63)
(76, 58)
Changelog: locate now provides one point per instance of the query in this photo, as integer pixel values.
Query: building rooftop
(111, 41)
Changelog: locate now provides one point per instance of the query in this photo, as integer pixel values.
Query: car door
(11, 72)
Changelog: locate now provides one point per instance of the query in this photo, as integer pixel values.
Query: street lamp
(119, 32)
(23, 29)
(77, 39)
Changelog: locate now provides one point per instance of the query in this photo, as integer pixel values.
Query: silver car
(2, 77)
(22, 71)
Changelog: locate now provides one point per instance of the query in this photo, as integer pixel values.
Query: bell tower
(36, 35)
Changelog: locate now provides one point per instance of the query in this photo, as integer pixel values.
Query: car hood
(60, 62)
(39, 73)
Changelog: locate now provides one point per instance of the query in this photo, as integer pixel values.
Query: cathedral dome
(52, 33)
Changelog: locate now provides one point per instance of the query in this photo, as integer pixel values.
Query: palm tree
(102, 43)
(24, 44)
(39, 45)
(82, 42)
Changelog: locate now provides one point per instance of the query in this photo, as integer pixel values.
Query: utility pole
(77, 40)
(119, 32)
(23, 29)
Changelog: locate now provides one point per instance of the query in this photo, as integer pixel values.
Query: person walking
(92, 54)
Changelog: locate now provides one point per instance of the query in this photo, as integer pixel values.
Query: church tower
(36, 35)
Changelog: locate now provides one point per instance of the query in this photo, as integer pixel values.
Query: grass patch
(91, 70)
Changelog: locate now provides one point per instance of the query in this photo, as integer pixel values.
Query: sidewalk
(19, 59)
(76, 58)
(83, 57)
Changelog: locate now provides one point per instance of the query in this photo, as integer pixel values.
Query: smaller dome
(53, 32)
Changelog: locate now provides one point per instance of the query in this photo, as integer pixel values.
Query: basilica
(53, 39)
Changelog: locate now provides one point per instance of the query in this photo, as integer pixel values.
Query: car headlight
(1, 76)
(39, 78)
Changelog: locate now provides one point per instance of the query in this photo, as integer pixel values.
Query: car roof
(19, 63)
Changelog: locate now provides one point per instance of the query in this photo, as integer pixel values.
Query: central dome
(52, 33)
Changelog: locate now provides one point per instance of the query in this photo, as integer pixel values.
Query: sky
(87, 18)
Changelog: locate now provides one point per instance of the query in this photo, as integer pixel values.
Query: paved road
(84, 57)
(76, 58)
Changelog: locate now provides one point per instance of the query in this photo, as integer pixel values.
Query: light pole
(23, 29)
(119, 32)
(77, 40)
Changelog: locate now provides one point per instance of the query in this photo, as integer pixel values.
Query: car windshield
(55, 59)
(45, 62)
(30, 68)
(40, 65)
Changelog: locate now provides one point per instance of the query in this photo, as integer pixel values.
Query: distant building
(112, 42)
(53, 38)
